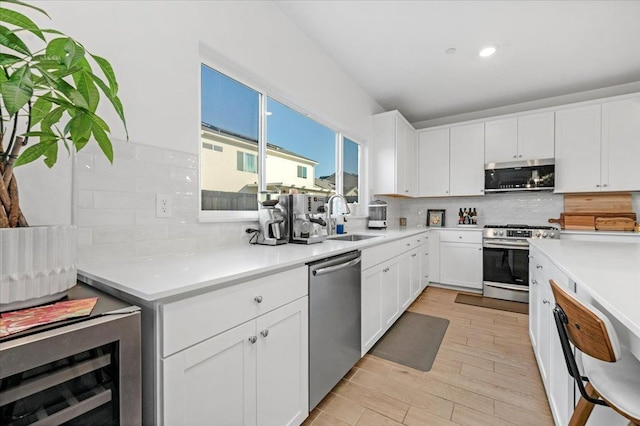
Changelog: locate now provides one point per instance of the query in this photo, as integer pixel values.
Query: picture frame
(435, 218)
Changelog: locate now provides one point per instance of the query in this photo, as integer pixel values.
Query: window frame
(264, 94)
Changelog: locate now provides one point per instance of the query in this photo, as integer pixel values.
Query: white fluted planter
(37, 265)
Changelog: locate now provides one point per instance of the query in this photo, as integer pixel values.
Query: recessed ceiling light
(487, 51)
(450, 51)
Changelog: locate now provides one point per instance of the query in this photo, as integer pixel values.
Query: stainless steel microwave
(530, 175)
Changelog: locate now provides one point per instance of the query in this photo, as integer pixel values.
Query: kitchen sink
(353, 237)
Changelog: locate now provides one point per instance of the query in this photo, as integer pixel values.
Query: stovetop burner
(516, 226)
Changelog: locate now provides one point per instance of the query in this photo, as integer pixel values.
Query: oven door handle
(506, 245)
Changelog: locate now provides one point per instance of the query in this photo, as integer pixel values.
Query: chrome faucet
(331, 229)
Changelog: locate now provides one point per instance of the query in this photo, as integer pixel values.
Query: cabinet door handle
(413, 255)
(519, 156)
(598, 186)
(539, 266)
(545, 301)
(258, 299)
(408, 244)
(253, 339)
(514, 156)
(534, 282)
(605, 185)
(446, 192)
(264, 333)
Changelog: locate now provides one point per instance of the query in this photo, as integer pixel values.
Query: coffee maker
(272, 224)
(305, 217)
(377, 215)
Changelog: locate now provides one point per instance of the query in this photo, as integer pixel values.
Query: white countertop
(607, 233)
(160, 277)
(609, 272)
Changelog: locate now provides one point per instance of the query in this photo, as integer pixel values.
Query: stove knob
(536, 235)
(552, 235)
(500, 233)
(544, 235)
(495, 233)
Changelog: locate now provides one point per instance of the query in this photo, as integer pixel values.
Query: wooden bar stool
(611, 372)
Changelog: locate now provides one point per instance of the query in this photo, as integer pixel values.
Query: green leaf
(17, 91)
(87, 89)
(32, 153)
(52, 118)
(80, 129)
(41, 135)
(107, 70)
(99, 121)
(39, 110)
(115, 101)
(103, 142)
(27, 5)
(51, 155)
(12, 41)
(6, 59)
(67, 50)
(19, 20)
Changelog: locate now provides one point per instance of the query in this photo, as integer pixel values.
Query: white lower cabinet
(461, 258)
(544, 336)
(253, 374)
(390, 285)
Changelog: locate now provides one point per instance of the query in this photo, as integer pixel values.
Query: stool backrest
(587, 328)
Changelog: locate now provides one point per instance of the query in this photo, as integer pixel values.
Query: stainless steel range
(505, 259)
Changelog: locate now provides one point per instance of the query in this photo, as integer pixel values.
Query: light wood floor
(485, 373)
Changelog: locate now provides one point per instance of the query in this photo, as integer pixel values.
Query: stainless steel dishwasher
(334, 322)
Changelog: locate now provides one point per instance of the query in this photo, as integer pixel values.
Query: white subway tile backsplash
(151, 232)
(85, 199)
(102, 182)
(104, 253)
(105, 217)
(181, 159)
(85, 236)
(153, 248)
(113, 234)
(123, 200)
(181, 174)
(150, 154)
(84, 161)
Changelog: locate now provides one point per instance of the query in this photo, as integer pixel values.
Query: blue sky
(285, 127)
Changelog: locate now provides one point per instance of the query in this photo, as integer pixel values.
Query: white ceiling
(396, 49)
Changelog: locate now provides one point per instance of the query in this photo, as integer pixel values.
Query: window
(350, 170)
(229, 119)
(294, 138)
(246, 162)
(251, 142)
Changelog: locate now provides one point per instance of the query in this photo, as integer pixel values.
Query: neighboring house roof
(350, 182)
(270, 146)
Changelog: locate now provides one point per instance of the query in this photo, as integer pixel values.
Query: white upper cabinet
(433, 163)
(451, 161)
(578, 149)
(466, 154)
(621, 145)
(394, 155)
(526, 137)
(598, 147)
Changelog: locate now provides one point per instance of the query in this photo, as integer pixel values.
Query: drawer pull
(258, 299)
(460, 236)
(545, 301)
(264, 333)
(538, 266)
(253, 339)
(534, 282)
(408, 244)
(413, 255)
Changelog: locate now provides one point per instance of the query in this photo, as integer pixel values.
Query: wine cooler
(81, 373)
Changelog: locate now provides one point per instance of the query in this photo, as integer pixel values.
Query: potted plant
(49, 94)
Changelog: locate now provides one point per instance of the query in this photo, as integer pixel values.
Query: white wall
(156, 48)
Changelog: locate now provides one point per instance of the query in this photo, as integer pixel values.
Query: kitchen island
(605, 274)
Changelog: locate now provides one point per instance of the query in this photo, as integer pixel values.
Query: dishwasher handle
(334, 268)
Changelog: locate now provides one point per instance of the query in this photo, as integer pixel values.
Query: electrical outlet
(164, 206)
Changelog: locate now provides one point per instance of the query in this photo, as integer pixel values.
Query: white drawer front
(373, 256)
(189, 321)
(461, 236)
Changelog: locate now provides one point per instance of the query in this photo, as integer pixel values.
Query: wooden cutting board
(615, 224)
(609, 202)
(588, 220)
